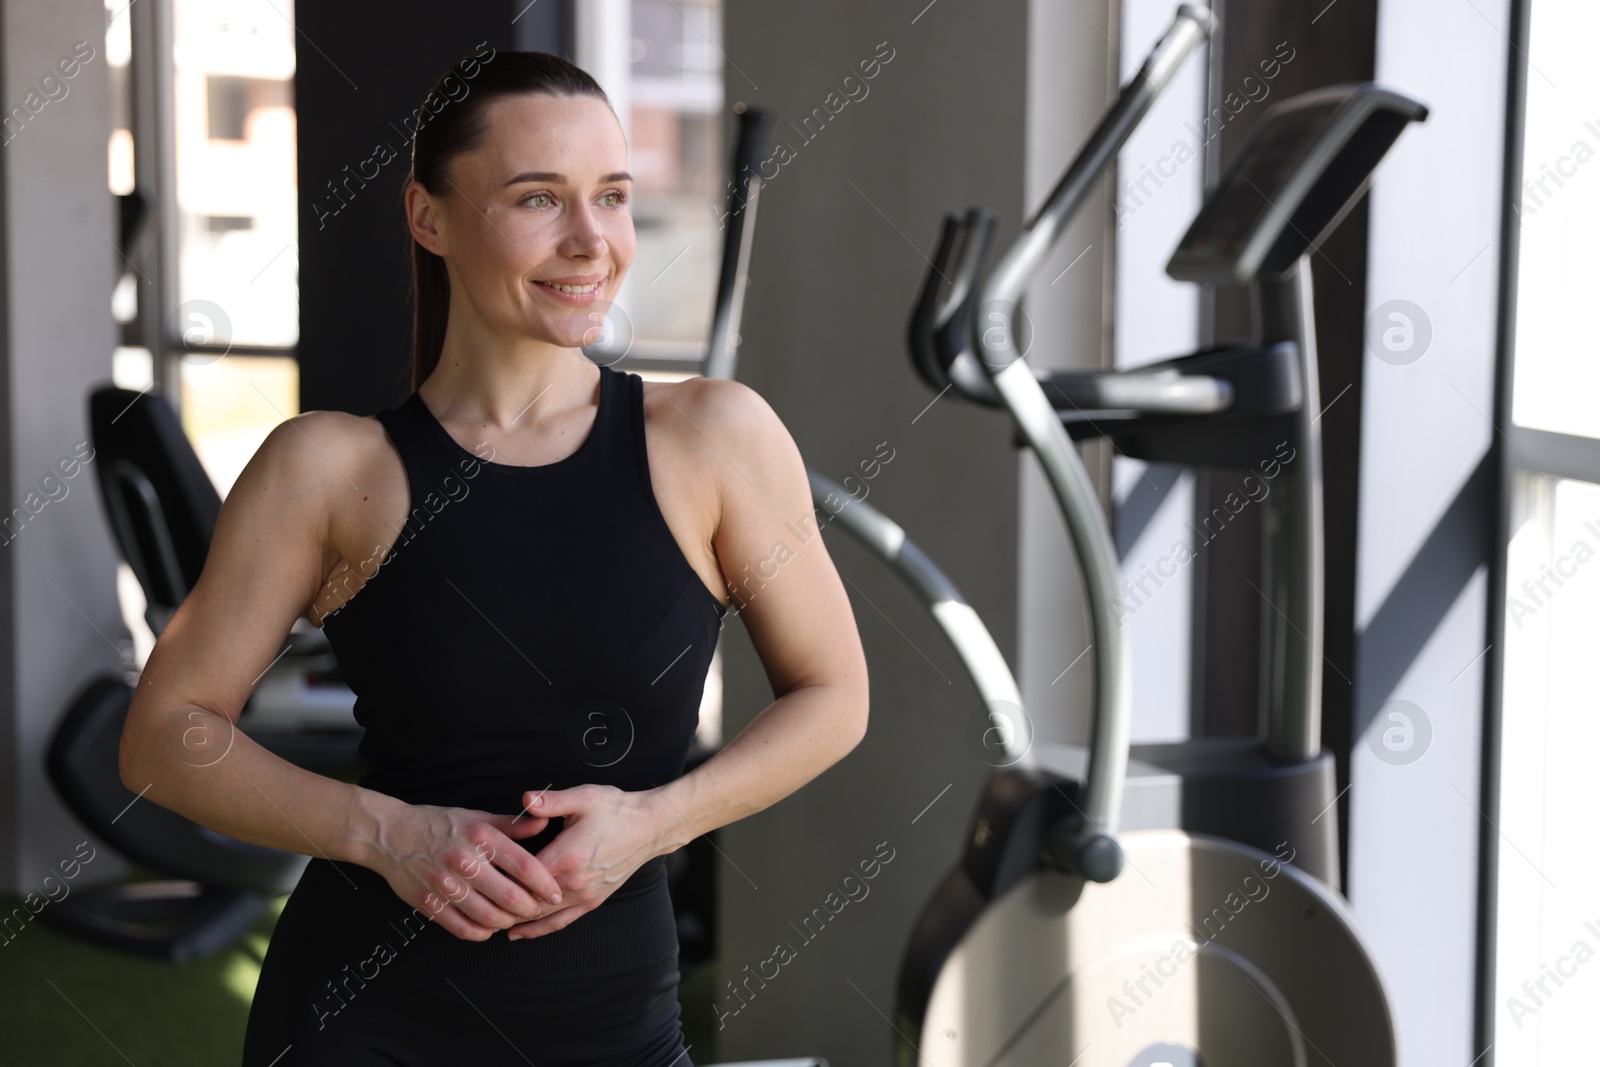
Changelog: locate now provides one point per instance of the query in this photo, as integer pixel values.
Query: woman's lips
(573, 299)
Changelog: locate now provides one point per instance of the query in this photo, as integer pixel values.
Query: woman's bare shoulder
(353, 467)
(715, 410)
(334, 448)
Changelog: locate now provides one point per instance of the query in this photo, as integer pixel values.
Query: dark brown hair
(450, 122)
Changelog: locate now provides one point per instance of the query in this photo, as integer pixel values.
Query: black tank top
(530, 628)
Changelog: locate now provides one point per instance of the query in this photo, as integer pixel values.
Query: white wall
(1435, 213)
(1071, 77)
(58, 576)
(1158, 193)
(1152, 317)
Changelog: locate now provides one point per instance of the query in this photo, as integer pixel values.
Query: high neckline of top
(585, 447)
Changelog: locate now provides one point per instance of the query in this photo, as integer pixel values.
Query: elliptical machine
(1029, 950)
(1176, 904)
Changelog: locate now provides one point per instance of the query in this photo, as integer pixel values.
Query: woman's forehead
(576, 137)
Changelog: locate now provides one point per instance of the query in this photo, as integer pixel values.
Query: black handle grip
(926, 312)
(1073, 845)
(952, 339)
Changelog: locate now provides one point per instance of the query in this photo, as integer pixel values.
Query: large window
(234, 138)
(207, 112)
(1547, 939)
(228, 143)
(233, 69)
(660, 61)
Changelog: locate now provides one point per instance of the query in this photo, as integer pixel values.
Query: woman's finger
(520, 826)
(556, 920)
(462, 891)
(451, 918)
(505, 890)
(522, 865)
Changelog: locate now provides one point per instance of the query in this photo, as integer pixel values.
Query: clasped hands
(465, 869)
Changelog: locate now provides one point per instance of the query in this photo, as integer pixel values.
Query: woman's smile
(575, 291)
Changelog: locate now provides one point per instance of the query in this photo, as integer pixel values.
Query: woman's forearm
(794, 739)
(196, 763)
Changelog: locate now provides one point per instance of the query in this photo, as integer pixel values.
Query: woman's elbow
(856, 705)
(130, 752)
(136, 750)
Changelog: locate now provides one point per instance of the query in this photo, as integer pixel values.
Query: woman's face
(535, 223)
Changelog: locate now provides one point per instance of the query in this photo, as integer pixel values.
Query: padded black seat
(222, 886)
(163, 509)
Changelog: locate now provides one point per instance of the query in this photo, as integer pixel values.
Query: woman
(521, 569)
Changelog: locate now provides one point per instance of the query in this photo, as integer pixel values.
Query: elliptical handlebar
(937, 335)
(1086, 844)
(750, 143)
(1190, 27)
(942, 354)
(940, 327)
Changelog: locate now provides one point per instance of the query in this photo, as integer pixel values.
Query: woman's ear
(423, 217)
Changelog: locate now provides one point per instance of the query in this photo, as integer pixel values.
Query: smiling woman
(510, 211)
(521, 867)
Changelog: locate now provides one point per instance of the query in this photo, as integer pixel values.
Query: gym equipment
(162, 509)
(215, 888)
(1127, 909)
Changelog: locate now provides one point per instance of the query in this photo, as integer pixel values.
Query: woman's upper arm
(782, 581)
(268, 557)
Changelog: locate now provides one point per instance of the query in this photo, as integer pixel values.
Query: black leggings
(328, 995)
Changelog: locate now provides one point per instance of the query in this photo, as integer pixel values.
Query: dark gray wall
(371, 66)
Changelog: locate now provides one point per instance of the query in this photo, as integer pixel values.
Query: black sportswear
(531, 627)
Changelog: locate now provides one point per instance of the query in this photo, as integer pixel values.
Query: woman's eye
(615, 198)
(537, 196)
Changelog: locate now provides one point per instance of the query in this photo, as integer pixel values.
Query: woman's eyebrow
(561, 179)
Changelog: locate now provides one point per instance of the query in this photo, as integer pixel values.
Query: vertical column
(1073, 75)
(59, 619)
(1426, 509)
(1160, 175)
(367, 78)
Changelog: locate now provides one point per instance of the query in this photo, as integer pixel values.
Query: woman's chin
(589, 325)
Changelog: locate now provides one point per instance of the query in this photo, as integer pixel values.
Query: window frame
(153, 125)
(1520, 454)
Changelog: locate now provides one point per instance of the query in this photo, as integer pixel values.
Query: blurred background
(206, 211)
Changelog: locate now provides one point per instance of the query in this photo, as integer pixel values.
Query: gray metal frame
(1292, 541)
(1036, 419)
(962, 627)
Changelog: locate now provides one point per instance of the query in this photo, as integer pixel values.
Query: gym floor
(65, 1001)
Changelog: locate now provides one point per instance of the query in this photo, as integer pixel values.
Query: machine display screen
(1246, 200)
